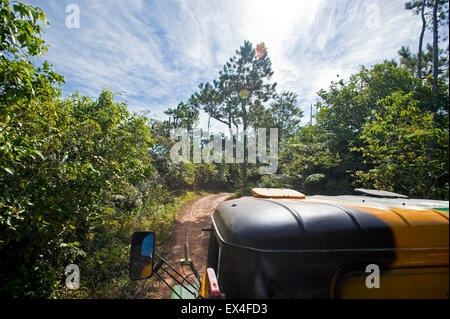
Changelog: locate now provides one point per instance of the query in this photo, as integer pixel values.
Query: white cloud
(157, 52)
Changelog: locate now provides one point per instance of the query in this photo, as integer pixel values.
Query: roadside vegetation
(79, 175)
(106, 271)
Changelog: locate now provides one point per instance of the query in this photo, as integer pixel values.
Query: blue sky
(156, 53)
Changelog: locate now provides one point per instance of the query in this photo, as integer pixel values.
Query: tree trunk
(419, 55)
(434, 100)
(435, 53)
(244, 165)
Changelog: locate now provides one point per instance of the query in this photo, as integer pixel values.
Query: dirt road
(192, 218)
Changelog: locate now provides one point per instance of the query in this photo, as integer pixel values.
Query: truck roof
(322, 223)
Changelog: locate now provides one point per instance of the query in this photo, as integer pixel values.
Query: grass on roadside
(104, 270)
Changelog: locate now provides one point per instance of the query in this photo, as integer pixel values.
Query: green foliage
(184, 115)
(63, 170)
(243, 98)
(105, 269)
(328, 157)
(410, 61)
(347, 109)
(20, 29)
(397, 145)
(64, 164)
(79, 176)
(284, 114)
(309, 165)
(243, 86)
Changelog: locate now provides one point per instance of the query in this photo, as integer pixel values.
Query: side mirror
(142, 249)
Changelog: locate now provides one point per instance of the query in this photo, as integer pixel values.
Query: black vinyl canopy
(298, 225)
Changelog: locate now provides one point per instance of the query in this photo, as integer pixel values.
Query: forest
(79, 175)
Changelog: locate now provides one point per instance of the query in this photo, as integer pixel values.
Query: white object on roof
(277, 193)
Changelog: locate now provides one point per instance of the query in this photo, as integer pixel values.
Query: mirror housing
(142, 255)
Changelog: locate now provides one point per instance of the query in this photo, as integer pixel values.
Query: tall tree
(244, 82)
(440, 17)
(433, 13)
(409, 61)
(242, 88)
(418, 6)
(422, 33)
(215, 104)
(285, 114)
(184, 115)
(438, 13)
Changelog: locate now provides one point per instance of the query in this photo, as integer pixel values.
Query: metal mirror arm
(187, 261)
(194, 271)
(159, 266)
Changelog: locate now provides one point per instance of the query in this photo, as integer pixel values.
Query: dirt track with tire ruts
(192, 218)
